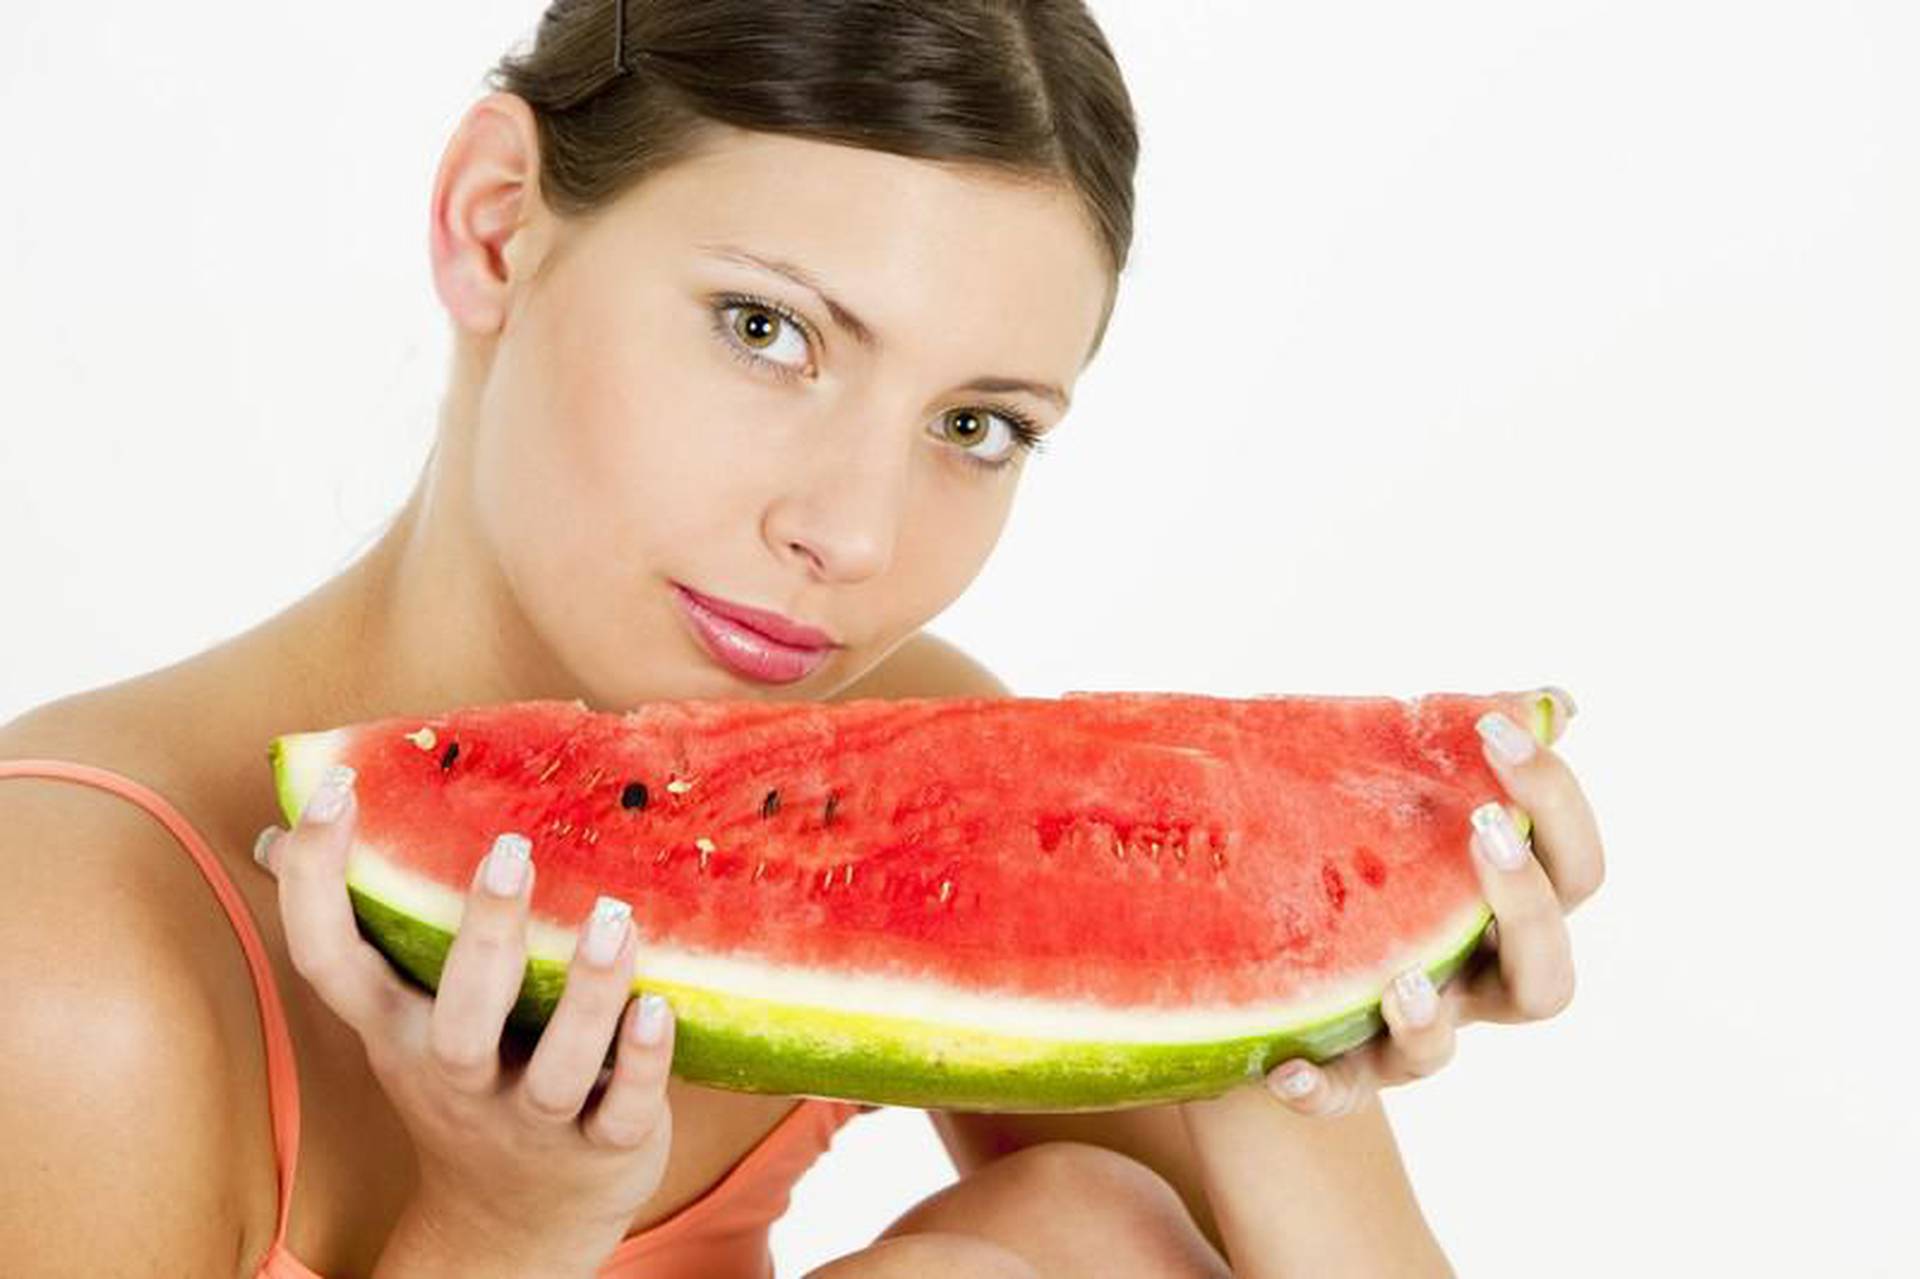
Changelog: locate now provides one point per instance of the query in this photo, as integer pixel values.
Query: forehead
(935, 257)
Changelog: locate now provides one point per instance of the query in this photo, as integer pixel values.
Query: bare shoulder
(924, 665)
(117, 1130)
(78, 850)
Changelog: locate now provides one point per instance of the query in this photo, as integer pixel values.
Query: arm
(1298, 1195)
(424, 1245)
(120, 1148)
(117, 1153)
(1274, 1191)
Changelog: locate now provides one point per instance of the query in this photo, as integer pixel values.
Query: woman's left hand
(1533, 976)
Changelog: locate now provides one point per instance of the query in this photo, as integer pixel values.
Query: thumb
(266, 849)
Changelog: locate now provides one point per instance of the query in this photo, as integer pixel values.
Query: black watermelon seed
(833, 802)
(634, 796)
(447, 756)
(771, 804)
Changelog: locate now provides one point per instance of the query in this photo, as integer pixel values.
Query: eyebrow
(863, 334)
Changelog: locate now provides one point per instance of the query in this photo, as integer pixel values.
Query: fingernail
(1499, 842)
(649, 1025)
(1512, 743)
(1292, 1081)
(1413, 992)
(1567, 709)
(262, 842)
(329, 800)
(606, 930)
(507, 863)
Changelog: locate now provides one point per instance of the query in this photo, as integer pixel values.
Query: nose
(842, 515)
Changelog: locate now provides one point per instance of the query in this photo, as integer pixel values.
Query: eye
(751, 328)
(967, 427)
(758, 328)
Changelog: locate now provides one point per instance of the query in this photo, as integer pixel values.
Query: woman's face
(651, 412)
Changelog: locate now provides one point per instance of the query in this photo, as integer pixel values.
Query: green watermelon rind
(727, 1040)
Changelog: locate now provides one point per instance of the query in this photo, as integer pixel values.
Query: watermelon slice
(1097, 901)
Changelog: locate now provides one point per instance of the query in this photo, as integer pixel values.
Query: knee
(1070, 1172)
(1120, 1202)
(930, 1254)
(1064, 1203)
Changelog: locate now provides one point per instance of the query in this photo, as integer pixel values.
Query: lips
(745, 650)
(774, 626)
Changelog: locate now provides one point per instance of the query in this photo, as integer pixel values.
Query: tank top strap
(283, 1081)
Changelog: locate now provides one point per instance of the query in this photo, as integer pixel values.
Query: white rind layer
(373, 871)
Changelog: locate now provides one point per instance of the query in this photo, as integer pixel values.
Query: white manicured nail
(606, 930)
(1512, 743)
(1498, 841)
(1293, 1081)
(1413, 992)
(650, 1023)
(507, 863)
(329, 799)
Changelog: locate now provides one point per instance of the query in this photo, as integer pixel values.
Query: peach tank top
(721, 1235)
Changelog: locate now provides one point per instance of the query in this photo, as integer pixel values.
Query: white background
(1464, 347)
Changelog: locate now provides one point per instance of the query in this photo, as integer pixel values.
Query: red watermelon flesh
(1101, 900)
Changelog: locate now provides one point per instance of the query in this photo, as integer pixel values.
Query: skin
(597, 439)
(1296, 1190)
(584, 355)
(1524, 971)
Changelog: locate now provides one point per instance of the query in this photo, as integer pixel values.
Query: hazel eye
(967, 428)
(759, 329)
(754, 327)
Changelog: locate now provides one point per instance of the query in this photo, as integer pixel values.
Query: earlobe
(485, 194)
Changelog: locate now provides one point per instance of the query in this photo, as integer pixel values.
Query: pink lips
(772, 625)
(753, 642)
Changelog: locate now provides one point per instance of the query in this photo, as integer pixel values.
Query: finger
(1477, 991)
(1420, 1038)
(1566, 836)
(634, 1106)
(264, 845)
(1327, 1091)
(1481, 995)
(573, 1044)
(326, 948)
(484, 969)
(1535, 954)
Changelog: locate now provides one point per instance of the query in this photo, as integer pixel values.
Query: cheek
(665, 440)
(581, 535)
(559, 469)
(530, 497)
(947, 537)
(604, 466)
(631, 457)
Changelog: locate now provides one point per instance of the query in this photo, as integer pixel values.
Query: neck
(420, 622)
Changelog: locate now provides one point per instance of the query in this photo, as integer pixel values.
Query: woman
(756, 308)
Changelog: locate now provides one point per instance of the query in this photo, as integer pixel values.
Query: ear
(487, 215)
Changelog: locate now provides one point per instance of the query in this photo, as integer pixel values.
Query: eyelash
(1027, 436)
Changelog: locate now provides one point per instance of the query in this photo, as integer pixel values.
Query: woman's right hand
(515, 1157)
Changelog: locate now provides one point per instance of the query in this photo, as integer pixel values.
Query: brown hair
(1028, 88)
